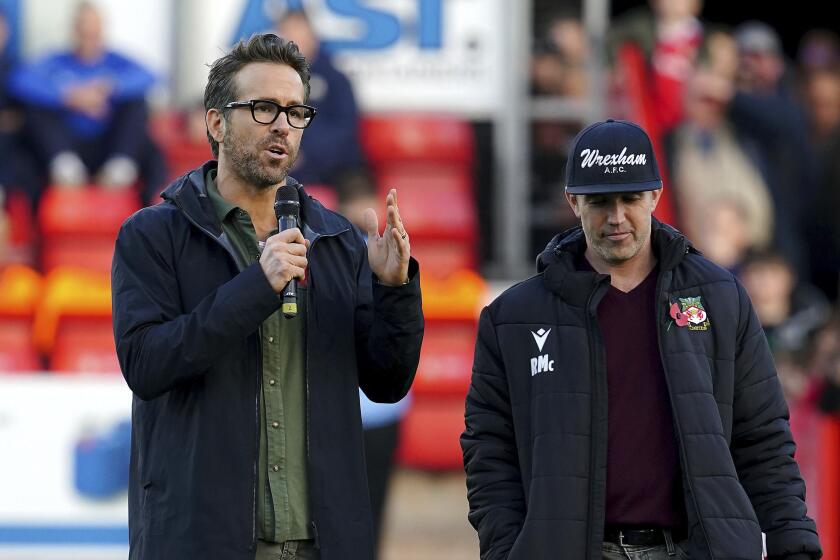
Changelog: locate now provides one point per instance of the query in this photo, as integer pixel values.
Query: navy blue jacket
(535, 439)
(186, 321)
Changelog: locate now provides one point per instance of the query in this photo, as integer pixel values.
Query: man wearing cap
(624, 403)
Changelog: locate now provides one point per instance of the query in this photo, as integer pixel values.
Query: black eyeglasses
(266, 112)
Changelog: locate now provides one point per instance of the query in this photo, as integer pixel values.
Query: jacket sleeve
(389, 333)
(494, 482)
(159, 343)
(762, 445)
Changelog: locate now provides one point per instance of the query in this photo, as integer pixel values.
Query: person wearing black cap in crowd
(624, 403)
(246, 434)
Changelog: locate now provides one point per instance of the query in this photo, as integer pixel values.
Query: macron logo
(541, 363)
(540, 336)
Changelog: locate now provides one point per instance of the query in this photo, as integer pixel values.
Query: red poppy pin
(689, 312)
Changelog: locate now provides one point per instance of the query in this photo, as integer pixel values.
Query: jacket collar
(557, 261)
(189, 194)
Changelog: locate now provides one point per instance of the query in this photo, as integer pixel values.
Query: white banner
(453, 63)
(401, 55)
(64, 443)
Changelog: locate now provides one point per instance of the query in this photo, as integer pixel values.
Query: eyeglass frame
(280, 109)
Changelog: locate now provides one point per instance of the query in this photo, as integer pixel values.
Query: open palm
(388, 253)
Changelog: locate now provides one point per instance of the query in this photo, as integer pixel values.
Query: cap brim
(612, 188)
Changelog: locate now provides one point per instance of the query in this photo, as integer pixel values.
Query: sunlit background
(467, 107)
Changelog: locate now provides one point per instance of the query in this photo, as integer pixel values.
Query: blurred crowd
(79, 118)
(749, 139)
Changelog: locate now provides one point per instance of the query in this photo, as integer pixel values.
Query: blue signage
(381, 28)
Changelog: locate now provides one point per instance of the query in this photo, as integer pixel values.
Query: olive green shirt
(282, 486)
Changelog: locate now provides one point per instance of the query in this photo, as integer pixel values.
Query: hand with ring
(388, 253)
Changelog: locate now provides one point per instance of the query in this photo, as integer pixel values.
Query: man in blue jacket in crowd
(247, 439)
(87, 116)
(624, 402)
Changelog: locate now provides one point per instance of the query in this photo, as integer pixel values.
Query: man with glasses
(246, 434)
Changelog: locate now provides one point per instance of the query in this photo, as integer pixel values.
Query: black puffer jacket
(535, 445)
(186, 322)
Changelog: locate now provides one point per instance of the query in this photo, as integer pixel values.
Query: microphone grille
(287, 193)
(287, 202)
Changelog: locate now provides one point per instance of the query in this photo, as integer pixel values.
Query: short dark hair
(265, 47)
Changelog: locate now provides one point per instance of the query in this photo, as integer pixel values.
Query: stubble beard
(617, 256)
(246, 164)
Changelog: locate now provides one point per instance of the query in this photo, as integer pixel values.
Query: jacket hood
(669, 245)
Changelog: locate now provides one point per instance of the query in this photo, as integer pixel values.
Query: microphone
(287, 210)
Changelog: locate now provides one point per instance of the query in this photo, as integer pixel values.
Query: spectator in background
(17, 171)
(791, 314)
(822, 100)
(724, 236)
(769, 120)
(822, 93)
(87, 115)
(790, 311)
(722, 200)
(381, 421)
(818, 50)
(825, 365)
(331, 148)
(559, 64)
(670, 35)
(6, 128)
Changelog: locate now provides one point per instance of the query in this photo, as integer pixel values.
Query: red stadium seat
(182, 153)
(85, 212)
(446, 359)
(418, 138)
(21, 243)
(429, 160)
(91, 254)
(17, 354)
(20, 290)
(439, 258)
(429, 434)
(22, 359)
(79, 226)
(84, 345)
(435, 202)
(185, 156)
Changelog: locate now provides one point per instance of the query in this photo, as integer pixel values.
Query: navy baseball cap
(612, 157)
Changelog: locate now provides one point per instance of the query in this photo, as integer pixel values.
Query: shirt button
(271, 339)
(275, 424)
(275, 468)
(271, 382)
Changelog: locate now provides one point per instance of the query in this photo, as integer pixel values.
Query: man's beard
(246, 164)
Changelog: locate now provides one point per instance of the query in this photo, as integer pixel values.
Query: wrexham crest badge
(689, 313)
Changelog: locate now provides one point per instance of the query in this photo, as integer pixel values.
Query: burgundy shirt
(644, 487)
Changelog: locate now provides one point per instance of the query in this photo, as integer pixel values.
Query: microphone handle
(289, 297)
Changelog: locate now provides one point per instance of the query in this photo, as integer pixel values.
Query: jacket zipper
(309, 309)
(678, 430)
(259, 387)
(596, 387)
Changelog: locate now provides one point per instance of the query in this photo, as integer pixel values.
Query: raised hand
(388, 253)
